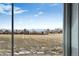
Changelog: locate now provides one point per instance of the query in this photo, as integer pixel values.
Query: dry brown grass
(47, 40)
(33, 42)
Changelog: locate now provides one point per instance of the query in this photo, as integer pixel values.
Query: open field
(51, 44)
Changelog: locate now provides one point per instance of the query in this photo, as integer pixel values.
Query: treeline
(33, 32)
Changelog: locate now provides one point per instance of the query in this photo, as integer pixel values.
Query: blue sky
(32, 16)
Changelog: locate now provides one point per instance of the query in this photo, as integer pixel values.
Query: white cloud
(19, 10)
(36, 15)
(49, 4)
(7, 9)
(46, 4)
(39, 13)
(4, 9)
(53, 4)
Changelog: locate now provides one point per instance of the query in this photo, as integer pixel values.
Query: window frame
(12, 41)
(67, 29)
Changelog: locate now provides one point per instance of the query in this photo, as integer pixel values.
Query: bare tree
(25, 31)
(6, 32)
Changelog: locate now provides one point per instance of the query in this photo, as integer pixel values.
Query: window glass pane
(38, 29)
(5, 29)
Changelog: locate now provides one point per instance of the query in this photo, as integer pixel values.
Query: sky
(32, 16)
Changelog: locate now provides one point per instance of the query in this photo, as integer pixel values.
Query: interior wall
(74, 30)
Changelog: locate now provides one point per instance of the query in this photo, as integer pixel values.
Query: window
(5, 29)
(38, 28)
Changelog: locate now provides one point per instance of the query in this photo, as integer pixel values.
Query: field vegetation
(51, 44)
(32, 43)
